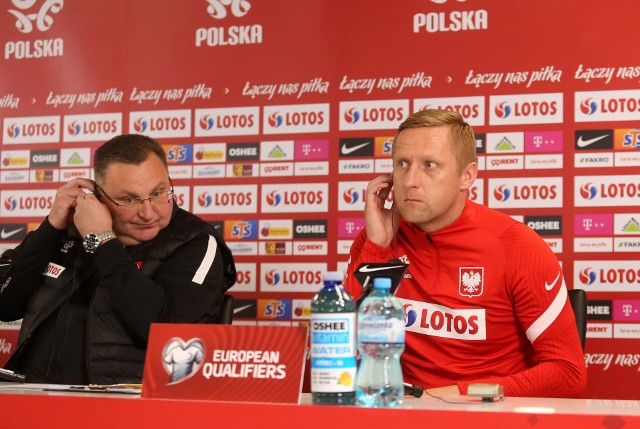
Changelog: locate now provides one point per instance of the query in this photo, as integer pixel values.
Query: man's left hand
(91, 215)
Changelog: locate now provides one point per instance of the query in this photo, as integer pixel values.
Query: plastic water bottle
(381, 342)
(333, 343)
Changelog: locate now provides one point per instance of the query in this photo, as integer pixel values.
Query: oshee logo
(291, 277)
(519, 193)
(526, 109)
(607, 276)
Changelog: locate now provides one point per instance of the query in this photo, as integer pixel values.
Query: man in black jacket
(112, 257)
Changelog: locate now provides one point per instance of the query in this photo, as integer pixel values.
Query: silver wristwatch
(92, 240)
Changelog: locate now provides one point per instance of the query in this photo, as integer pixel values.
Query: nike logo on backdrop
(366, 268)
(550, 286)
(585, 143)
(239, 309)
(6, 234)
(345, 150)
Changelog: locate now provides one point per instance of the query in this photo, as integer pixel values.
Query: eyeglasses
(133, 203)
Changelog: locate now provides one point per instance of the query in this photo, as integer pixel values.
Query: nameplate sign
(225, 362)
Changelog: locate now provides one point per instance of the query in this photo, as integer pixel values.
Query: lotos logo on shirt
(440, 321)
(53, 270)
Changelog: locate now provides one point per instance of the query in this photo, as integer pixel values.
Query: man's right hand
(381, 223)
(64, 204)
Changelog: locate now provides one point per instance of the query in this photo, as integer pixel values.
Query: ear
(468, 176)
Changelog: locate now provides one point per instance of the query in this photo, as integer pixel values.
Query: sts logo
(140, 125)
(274, 198)
(502, 193)
(588, 106)
(587, 276)
(275, 119)
(410, 315)
(205, 199)
(352, 115)
(588, 191)
(503, 110)
(207, 122)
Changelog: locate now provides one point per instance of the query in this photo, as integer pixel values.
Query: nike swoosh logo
(366, 268)
(549, 286)
(345, 150)
(2, 265)
(239, 309)
(585, 143)
(6, 234)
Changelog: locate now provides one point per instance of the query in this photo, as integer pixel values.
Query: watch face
(90, 242)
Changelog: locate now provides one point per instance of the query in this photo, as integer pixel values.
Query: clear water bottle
(381, 342)
(333, 343)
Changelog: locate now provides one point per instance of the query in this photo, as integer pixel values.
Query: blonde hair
(463, 141)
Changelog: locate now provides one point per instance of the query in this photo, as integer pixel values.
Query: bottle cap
(382, 283)
(333, 276)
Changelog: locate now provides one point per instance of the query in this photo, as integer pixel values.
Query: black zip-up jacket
(170, 279)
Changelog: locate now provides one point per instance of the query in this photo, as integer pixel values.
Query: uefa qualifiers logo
(182, 359)
(26, 15)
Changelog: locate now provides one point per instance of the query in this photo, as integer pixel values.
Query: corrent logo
(74, 128)
(140, 125)
(410, 315)
(272, 277)
(205, 199)
(10, 203)
(207, 122)
(13, 131)
(275, 119)
(43, 20)
(218, 8)
(274, 198)
(351, 196)
(588, 106)
(502, 193)
(352, 115)
(587, 276)
(588, 191)
(503, 110)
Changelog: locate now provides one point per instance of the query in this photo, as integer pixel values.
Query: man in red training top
(484, 296)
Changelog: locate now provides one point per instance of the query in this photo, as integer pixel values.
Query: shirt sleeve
(536, 284)
(28, 261)
(187, 288)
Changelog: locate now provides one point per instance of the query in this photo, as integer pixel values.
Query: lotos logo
(207, 122)
(205, 199)
(503, 110)
(274, 198)
(10, 203)
(587, 276)
(41, 18)
(74, 128)
(13, 131)
(140, 125)
(351, 196)
(273, 277)
(588, 106)
(410, 315)
(218, 8)
(588, 191)
(502, 193)
(275, 119)
(352, 115)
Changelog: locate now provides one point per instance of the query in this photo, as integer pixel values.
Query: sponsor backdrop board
(275, 114)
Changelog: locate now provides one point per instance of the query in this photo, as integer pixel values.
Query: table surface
(25, 405)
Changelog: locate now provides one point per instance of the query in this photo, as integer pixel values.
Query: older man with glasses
(112, 257)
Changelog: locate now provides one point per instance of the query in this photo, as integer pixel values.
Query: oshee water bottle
(380, 342)
(333, 343)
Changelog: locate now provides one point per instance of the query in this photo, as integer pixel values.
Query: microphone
(413, 390)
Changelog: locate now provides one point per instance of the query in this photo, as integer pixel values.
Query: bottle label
(333, 352)
(378, 330)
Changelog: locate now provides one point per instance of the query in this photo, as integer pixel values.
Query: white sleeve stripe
(549, 316)
(207, 261)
